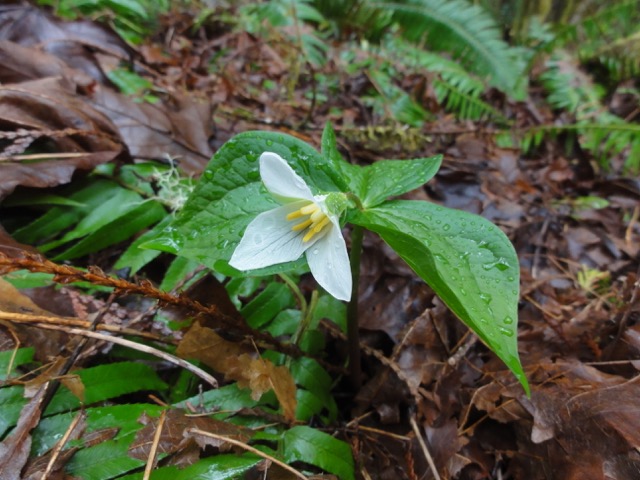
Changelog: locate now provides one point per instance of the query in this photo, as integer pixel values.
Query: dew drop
(446, 227)
(315, 251)
(208, 174)
(463, 292)
(269, 143)
(507, 320)
(486, 298)
(506, 332)
(484, 320)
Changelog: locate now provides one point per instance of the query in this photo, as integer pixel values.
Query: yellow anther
(294, 215)
(315, 222)
(315, 229)
(301, 226)
(317, 216)
(309, 209)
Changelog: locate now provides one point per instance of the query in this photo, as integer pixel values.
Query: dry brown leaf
(260, 375)
(204, 344)
(175, 436)
(237, 363)
(14, 450)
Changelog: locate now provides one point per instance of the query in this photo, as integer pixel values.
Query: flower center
(314, 222)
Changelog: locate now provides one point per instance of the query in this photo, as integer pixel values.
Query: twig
(425, 450)
(141, 348)
(61, 443)
(249, 448)
(154, 447)
(76, 322)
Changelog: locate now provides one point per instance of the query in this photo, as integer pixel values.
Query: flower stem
(352, 310)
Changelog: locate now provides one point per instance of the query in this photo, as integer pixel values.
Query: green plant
(132, 19)
(457, 27)
(467, 260)
(596, 129)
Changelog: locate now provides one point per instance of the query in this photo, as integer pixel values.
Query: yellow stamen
(309, 209)
(315, 222)
(315, 229)
(301, 226)
(294, 215)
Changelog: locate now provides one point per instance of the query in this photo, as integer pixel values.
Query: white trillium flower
(302, 224)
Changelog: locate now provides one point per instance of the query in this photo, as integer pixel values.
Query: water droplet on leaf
(506, 332)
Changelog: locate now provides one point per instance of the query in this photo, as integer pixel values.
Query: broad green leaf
(229, 397)
(390, 178)
(11, 403)
(135, 257)
(308, 404)
(271, 301)
(373, 184)
(308, 373)
(126, 418)
(317, 448)
(60, 218)
(103, 461)
(230, 195)
(107, 381)
(9, 362)
(467, 260)
(119, 203)
(120, 228)
(22, 279)
(177, 271)
(218, 467)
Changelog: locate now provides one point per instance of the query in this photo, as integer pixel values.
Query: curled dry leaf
(14, 450)
(175, 435)
(237, 363)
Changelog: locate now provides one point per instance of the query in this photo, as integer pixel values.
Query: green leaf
(126, 418)
(308, 445)
(375, 183)
(60, 218)
(119, 203)
(230, 195)
(102, 461)
(218, 467)
(135, 257)
(108, 381)
(468, 261)
(271, 301)
(390, 178)
(11, 402)
(7, 359)
(177, 271)
(118, 229)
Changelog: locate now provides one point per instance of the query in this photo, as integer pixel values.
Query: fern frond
(610, 35)
(455, 88)
(465, 30)
(598, 130)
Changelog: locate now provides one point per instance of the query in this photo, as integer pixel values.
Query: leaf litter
(579, 339)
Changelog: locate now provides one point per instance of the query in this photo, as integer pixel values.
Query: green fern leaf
(465, 30)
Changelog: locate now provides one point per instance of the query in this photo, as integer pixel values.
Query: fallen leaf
(175, 435)
(14, 450)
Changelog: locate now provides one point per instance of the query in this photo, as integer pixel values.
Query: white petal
(281, 180)
(329, 263)
(269, 240)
